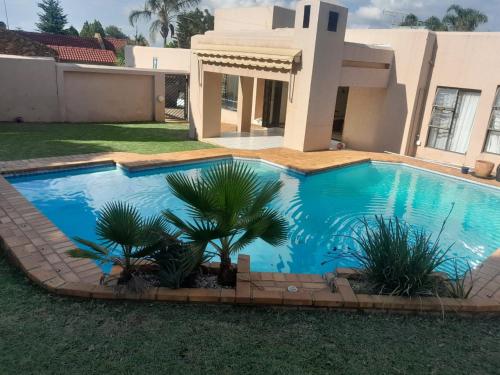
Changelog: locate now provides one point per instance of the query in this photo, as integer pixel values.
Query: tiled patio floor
(40, 248)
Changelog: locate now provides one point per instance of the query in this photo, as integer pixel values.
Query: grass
(25, 141)
(45, 334)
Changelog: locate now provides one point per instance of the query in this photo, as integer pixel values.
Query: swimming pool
(318, 207)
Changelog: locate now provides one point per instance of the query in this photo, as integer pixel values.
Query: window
(452, 118)
(333, 20)
(230, 92)
(492, 144)
(307, 16)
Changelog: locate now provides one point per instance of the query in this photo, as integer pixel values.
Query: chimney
(100, 40)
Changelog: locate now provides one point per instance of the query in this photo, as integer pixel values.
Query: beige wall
(313, 89)
(228, 116)
(399, 104)
(468, 61)
(41, 90)
(253, 18)
(89, 96)
(28, 89)
(361, 127)
(175, 60)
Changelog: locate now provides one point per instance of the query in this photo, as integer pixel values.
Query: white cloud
(369, 13)
(362, 13)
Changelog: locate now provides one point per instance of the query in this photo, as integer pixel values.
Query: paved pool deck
(35, 244)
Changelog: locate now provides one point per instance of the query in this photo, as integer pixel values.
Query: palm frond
(87, 254)
(136, 15)
(119, 223)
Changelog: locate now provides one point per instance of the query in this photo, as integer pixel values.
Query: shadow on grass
(22, 141)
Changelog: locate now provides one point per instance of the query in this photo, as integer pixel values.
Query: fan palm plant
(125, 238)
(229, 210)
(165, 12)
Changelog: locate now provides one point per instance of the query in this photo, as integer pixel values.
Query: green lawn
(24, 141)
(45, 334)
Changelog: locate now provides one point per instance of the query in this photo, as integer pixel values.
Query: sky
(362, 13)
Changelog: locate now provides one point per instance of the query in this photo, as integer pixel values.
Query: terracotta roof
(78, 49)
(85, 55)
(61, 40)
(11, 43)
(116, 43)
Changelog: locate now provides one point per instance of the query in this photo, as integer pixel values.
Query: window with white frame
(492, 144)
(452, 118)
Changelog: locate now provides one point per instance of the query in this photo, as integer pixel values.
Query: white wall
(175, 60)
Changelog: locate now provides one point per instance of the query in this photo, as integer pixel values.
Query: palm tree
(165, 12)
(124, 238)
(463, 19)
(229, 210)
(410, 20)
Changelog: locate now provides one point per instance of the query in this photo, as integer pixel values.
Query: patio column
(245, 98)
(211, 104)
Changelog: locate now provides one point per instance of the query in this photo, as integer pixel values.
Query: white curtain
(464, 119)
(493, 143)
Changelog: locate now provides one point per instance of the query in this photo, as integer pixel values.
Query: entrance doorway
(340, 111)
(274, 104)
(176, 97)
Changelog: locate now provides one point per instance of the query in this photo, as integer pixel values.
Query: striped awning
(265, 58)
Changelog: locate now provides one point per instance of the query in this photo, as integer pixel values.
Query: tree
(229, 209)
(52, 18)
(164, 12)
(193, 23)
(410, 20)
(90, 29)
(435, 24)
(463, 19)
(113, 31)
(71, 31)
(140, 40)
(172, 44)
(456, 19)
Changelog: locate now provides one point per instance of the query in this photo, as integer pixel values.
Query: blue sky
(362, 13)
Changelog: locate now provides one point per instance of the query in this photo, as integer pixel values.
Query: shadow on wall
(376, 117)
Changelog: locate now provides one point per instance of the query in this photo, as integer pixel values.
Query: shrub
(461, 284)
(177, 261)
(144, 248)
(398, 259)
(124, 236)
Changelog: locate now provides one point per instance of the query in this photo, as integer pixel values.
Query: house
(75, 49)
(433, 95)
(11, 43)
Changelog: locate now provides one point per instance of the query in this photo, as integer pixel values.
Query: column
(245, 98)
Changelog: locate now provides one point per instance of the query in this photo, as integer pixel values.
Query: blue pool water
(318, 207)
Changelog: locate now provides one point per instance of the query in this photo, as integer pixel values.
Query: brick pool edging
(39, 248)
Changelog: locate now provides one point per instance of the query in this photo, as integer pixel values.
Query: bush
(398, 259)
(145, 249)
(177, 261)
